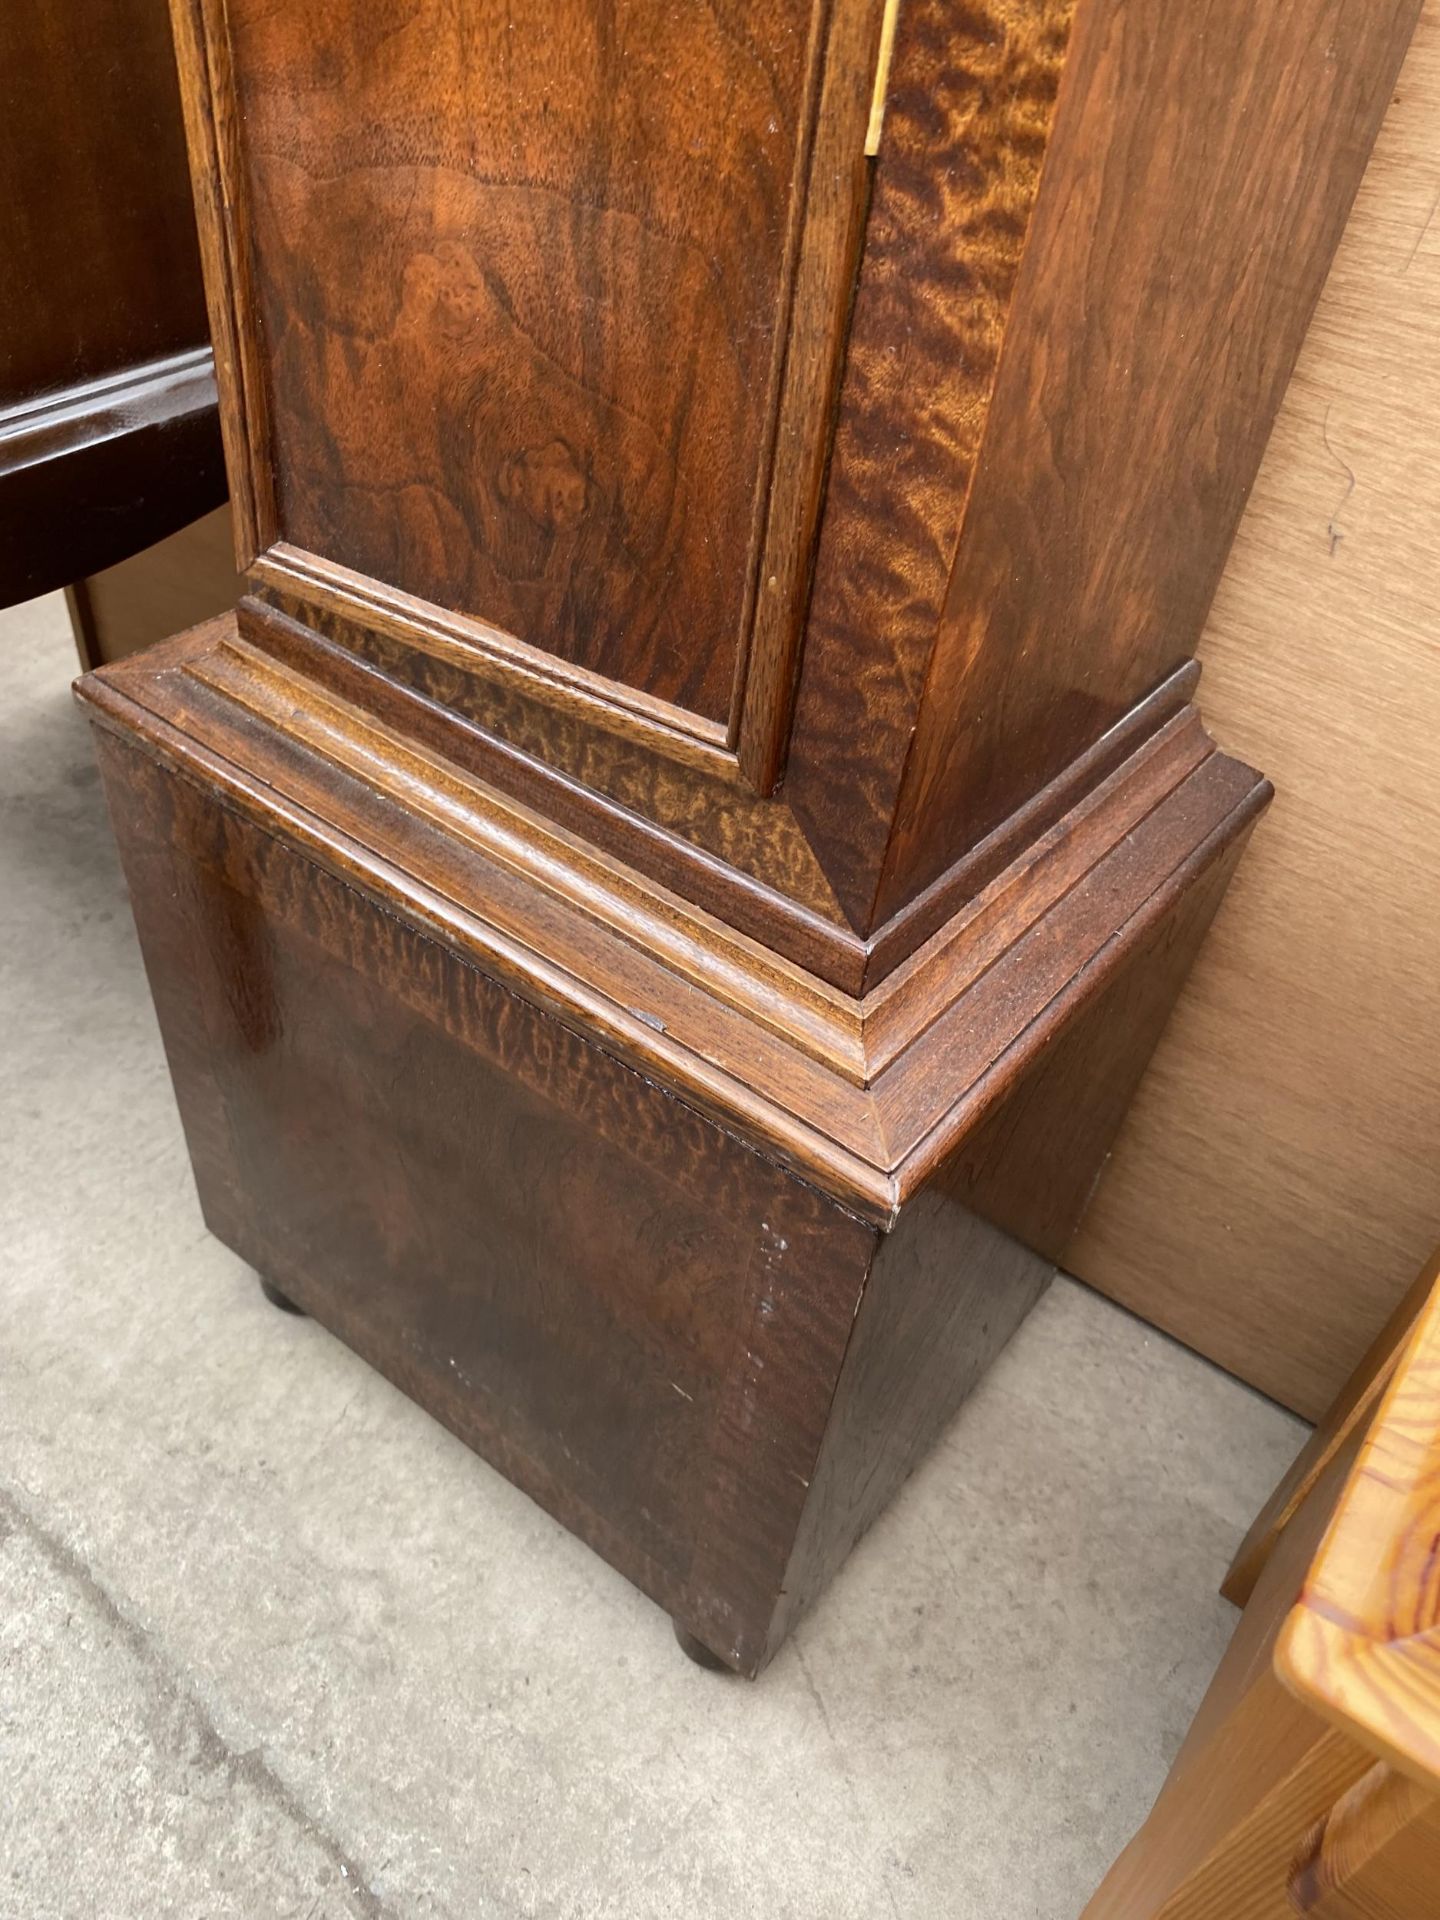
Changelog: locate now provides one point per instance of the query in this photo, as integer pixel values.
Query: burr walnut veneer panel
(524, 277)
(597, 384)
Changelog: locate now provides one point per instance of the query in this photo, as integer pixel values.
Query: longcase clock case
(660, 896)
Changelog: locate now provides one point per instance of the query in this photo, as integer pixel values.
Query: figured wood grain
(1200, 171)
(716, 838)
(1277, 1184)
(631, 1315)
(400, 390)
(968, 113)
(528, 1210)
(549, 397)
(1030, 585)
(750, 1041)
(533, 327)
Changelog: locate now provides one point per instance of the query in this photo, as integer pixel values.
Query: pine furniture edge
(1362, 1647)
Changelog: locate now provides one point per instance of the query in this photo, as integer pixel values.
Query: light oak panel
(1278, 1179)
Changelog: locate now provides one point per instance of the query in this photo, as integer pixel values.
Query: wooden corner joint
(862, 1095)
(1362, 1646)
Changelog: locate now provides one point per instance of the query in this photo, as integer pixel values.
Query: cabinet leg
(278, 1299)
(697, 1651)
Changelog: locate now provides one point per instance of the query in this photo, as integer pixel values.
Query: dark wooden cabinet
(109, 427)
(660, 896)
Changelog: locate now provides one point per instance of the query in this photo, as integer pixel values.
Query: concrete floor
(273, 1644)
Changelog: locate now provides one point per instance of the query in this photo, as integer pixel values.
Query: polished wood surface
(1363, 1646)
(869, 1097)
(546, 1238)
(1278, 1182)
(547, 1017)
(1375, 1854)
(633, 1316)
(845, 848)
(949, 224)
(1040, 582)
(109, 435)
(1350, 1413)
(548, 398)
(96, 228)
(1310, 1780)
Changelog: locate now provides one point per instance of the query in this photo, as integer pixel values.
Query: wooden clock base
(700, 1252)
(281, 1300)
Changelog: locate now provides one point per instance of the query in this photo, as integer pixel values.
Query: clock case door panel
(512, 297)
(986, 488)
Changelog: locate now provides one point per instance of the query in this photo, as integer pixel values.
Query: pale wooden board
(1277, 1184)
(163, 589)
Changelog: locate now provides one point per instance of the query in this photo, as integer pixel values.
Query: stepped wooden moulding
(660, 896)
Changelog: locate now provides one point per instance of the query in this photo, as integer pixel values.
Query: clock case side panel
(1046, 583)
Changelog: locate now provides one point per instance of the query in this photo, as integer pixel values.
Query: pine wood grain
(1308, 1781)
(1278, 1181)
(1363, 1647)
(1374, 1856)
(1350, 1414)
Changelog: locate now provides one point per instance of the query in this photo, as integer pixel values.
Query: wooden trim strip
(836, 199)
(764, 1049)
(907, 929)
(132, 401)
(480, 648)
(784, 923)
(876, 126)
(820, 1019)
(207, 92)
